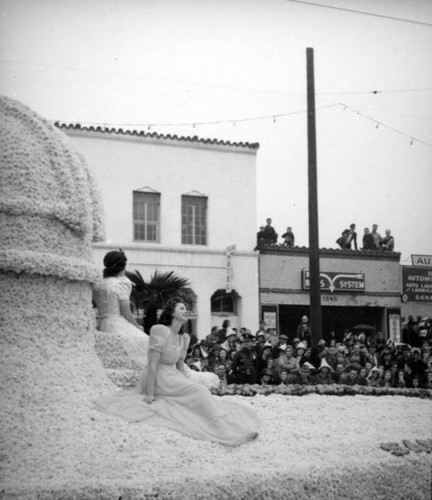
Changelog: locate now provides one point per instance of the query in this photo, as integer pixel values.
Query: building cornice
(331, 253)
(171, 139)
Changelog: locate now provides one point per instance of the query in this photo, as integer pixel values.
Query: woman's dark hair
(226, 323)
(114, 262)
(168, 311)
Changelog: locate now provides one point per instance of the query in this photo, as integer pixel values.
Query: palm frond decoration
(154, 294)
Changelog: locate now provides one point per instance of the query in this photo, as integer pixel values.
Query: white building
(177, 203)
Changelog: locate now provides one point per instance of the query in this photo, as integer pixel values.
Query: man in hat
(244, 362)
(305, 374)
(229, 343)
(259, 342)
(267, 377)
(282, 341)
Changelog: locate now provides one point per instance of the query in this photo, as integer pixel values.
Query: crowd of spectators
(263, 357)
(372, 239)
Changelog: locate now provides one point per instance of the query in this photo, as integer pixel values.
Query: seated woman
(166, 397)
(111, 296)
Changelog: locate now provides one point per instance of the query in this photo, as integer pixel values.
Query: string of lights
(381, 124)
(354, 11)
(233, 122)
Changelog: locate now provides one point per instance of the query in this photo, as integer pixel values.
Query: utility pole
(314, 265)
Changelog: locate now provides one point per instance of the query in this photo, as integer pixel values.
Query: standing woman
(111, 296)
(166, 397)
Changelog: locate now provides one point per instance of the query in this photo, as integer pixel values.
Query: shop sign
(270, 319)
(229, 251)
(421, 260)
(337, 282)
(416, 284)
(394, 327)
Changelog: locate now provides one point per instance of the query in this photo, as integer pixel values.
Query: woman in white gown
(111, 296)
(166, 397)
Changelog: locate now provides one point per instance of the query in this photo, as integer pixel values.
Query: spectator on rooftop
(348, 237)
(368, 240)
(288, 237)
(260, 236)
(376, 236)
(387, 243)
(270, 235)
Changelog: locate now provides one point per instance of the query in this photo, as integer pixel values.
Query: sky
(178, 66)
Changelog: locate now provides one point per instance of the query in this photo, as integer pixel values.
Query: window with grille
(146, 216)
(194, 220)
(222, 302)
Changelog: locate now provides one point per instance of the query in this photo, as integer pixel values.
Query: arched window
(223, 302)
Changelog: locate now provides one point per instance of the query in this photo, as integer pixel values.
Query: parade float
(56, 445)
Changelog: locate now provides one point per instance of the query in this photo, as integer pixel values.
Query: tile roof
(153, 135)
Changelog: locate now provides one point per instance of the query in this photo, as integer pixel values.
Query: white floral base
(309, 447)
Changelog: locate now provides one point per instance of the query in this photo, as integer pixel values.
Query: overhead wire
(209, 85)
(365, 13)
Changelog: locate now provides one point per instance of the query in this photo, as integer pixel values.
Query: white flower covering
(55, 445)
(50, 208)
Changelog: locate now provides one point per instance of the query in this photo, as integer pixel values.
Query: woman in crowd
(166, 397)
(271, 366)
(198, 357)
(265, 354)
(387, 380)
(111, 296)
(324, 375)
(373, 379)
(400, 380)
(226, 358)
